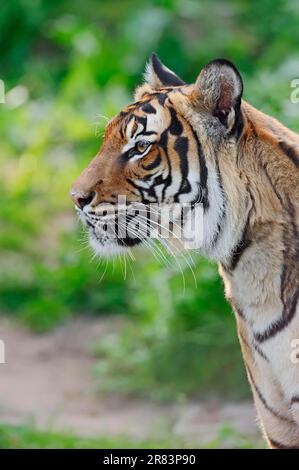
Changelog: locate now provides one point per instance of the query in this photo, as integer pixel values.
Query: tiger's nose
(82, 199)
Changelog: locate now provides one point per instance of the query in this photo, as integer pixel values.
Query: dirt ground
(48, 380)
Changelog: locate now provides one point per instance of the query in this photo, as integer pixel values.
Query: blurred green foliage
(29, 437)
(67, 65)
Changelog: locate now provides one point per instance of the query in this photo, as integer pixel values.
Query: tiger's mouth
(115, 229)
(114, 233)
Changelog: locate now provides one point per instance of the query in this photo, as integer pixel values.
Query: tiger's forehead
(145, 116)
(147, 103)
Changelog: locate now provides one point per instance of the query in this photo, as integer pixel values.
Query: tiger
(203, 144)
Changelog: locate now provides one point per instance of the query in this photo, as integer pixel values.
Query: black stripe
(153, 164)
(203, 172)
(202, 162)
(200, 196)
(254, 345)
(161, 97)
(163, 143)
(260, 352)
(290, 270)
(239, 312)
(222, 218)
(152, 189)
(186, 189)
(181, 146)
(175, 127)
(289, 311)
(235, 307)
(263, 400)
(148, 108)
(132, 183)
(123, 114)
(245, 241)
(147, 133)
(295, 399)
(238, 126)
(128, 241)
(239, 250)
(143, 121)
(166, 77)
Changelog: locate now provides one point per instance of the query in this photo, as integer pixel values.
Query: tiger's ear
(219, 89)
(158, 75)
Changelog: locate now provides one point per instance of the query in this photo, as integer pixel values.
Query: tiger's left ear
(219, 89)
(158, 75)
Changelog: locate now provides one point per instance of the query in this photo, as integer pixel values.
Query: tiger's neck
(261, 273)
(255, 191)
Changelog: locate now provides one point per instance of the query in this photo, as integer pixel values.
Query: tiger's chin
(110, 247)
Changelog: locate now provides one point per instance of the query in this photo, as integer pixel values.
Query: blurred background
(116, 354)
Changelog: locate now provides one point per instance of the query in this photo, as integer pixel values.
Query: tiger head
(176, 144)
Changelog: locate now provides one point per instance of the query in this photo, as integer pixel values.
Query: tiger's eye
(141, 146)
